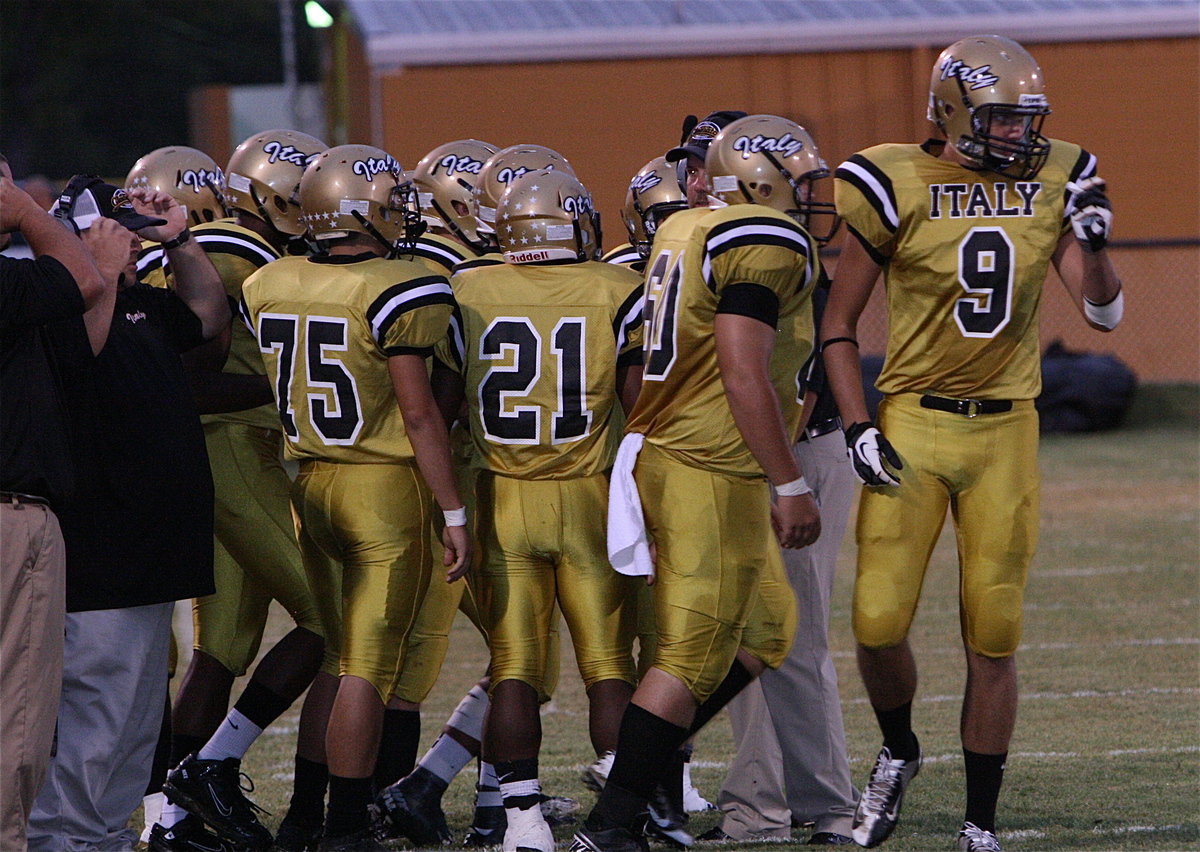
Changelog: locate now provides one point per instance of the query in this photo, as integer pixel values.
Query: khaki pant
(32, 605)
(791, 758)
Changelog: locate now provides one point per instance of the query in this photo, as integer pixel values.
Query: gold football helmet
(360, 189)
(264, 172)
(189, 176)
(499, 171)
(988, 96)
(653, 195)
(547, 214)
(772, 161)
(445, 180)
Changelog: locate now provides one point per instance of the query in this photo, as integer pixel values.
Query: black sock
(260, 705)
(397, 746)
(898, 736)
(735, 681)
(645, 748)
(985, 774)
(182, 745)
(308, 792)
(512, 772)
(348, 802)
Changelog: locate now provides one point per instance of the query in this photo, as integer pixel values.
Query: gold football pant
(542, 541)
(771, 624)
(370, 523)
(984, 469)
(711, 534)
(256, 558)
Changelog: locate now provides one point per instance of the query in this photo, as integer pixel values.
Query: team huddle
(490, 413)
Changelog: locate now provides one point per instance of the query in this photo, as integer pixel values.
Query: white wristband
(1108, 315)
(456, 517)
(794, 488)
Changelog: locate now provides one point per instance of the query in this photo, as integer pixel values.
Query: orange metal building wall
(1132, 103)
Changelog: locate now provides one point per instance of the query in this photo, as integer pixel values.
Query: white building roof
(439, 32)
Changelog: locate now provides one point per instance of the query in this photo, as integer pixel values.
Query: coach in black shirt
(36, 479)
(139, 532)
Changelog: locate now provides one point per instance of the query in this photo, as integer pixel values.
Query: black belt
(821, 427)
(18, 498)
(966, 407)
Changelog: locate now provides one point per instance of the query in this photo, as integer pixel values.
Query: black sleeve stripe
(628, 315)
(870, 249)
(149, 260)
(406, 296)
(476, 262)
(717, 231)
(875, 186)
(796, 244)
(423, 351)
(1085, 166)
(244, 312)
(458, 344)
(750, 300)
(246, 251)
(400, 293)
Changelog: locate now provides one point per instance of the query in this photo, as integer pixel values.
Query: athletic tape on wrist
(456, 517)
(794, 488)
(1105, 315)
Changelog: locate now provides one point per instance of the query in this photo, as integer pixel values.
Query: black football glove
(868, 449)
(1091, 213)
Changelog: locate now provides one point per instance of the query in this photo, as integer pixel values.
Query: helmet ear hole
(280, 204)
(762, 189)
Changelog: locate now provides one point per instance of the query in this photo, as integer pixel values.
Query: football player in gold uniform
(711, 426)
(257, 559)
(549, 351)
(963, 228)
(345, 336)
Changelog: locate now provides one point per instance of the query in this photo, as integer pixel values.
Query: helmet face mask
(987, 95)
(500, 170)
(189, 176)
(264, 173)
(772, 161)
(445, 179)
(360, 189)
(653, 195)
(546, 215)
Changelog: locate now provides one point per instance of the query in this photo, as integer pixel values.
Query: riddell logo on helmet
(787, 144)
(528, 256)
(973, 78)
(372, 166)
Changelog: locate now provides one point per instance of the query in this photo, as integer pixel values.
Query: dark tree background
(91, 85)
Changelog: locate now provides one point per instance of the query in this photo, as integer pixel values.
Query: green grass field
(1107, 748)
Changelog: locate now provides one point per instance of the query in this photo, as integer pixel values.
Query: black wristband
(826, 344)
(179, 239)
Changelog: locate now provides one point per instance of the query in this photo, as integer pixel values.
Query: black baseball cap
(702, 134)
(86, 198)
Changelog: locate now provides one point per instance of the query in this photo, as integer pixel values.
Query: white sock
(232, 739)
(152, 806)
(488, 791)
(171, 814)
(468, 716)
(445, 758)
